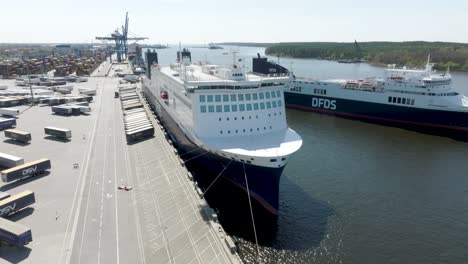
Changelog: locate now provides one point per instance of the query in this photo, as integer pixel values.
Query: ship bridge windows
(241, 97)
(234, 108)
(267, 95)
(202, 98)
(225, 98)
(400, 100)
(261, 95)
(248, 97)
(273, 94)
(210, 98)
(296, 89)
(218, 98)
(203, 108)
(219, 109)
(254, 96)
(278, 93)
(320, 91)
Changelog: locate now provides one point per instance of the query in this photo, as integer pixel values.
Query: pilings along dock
(103, 200)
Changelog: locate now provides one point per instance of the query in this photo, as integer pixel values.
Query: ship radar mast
(429, 64)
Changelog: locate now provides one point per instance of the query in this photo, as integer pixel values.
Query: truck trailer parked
(16, 202)
(10, 112)
(6, 123)
(4, 195)
(62, 133)
(14, 234)
(25, 170)
(18, 135)
(9, 161)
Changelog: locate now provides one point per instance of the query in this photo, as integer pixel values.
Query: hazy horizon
(205, 21)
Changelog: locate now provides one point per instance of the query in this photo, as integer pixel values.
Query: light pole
(30, 86)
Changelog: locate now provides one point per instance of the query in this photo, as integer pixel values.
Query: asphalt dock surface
(80, 215)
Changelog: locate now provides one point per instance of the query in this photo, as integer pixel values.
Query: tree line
(412, 54)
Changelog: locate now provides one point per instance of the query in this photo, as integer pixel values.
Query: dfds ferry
(228, 120)
(420, 99)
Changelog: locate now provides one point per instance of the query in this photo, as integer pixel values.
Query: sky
(205, 21)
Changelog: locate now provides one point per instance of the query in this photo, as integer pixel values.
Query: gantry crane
(121, 40)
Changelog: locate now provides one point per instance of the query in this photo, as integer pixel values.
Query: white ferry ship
(417, 99)
(228, 120)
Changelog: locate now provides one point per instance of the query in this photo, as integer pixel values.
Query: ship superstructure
(234, 118)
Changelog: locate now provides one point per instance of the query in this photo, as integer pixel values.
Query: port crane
(121, 40)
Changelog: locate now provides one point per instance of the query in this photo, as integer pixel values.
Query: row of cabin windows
(250, 117)
(239, 97)
(399, 100)
(237, 74)
(320, 91)
(237, 131)
(240, 107)
(296, 89)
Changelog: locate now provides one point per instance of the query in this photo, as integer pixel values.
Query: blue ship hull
(263, 182)
(450, 123)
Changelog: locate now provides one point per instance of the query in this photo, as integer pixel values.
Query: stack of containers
(136, 120)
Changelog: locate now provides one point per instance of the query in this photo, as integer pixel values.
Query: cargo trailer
(16, 202)
(137, 127)
(4, 195)
(139, 134)
(136, 110)
(58, 132)
(6, 123)
(62, 110)
(11, 112)
(25, 170)
(14, 234)
(18, 135)
(131, 122)
(9, 161)
(132, 106)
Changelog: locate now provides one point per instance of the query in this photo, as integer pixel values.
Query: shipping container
(14, 234)
(58, 132)
(18, 135)
(25, 170)
(9, 161)
(16, 202)
(11, 112)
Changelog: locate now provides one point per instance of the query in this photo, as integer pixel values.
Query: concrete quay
(82, 217)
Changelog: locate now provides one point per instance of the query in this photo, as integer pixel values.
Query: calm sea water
(358, 192)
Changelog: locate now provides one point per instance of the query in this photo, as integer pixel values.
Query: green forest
(412, 54)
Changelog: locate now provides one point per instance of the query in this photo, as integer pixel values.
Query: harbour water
(356, 192)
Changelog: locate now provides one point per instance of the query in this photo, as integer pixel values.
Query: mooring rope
(251, 214)
(217, 177)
